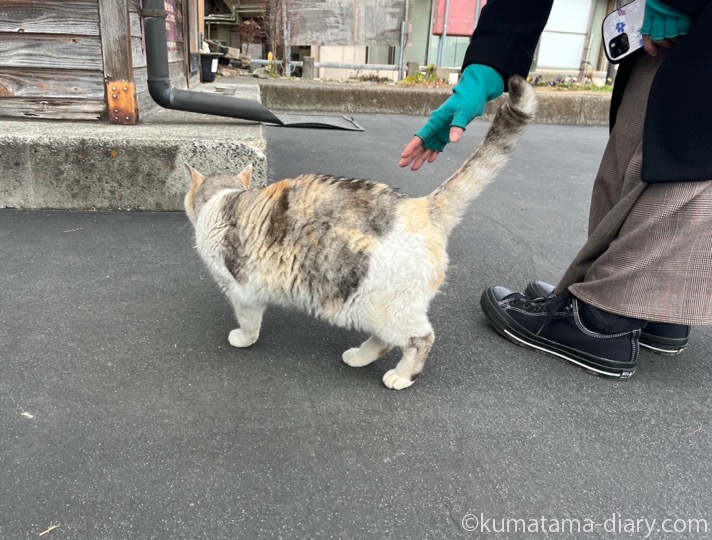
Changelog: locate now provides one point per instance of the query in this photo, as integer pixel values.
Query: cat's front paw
(353, 358)
(396, 381)
(238, 338)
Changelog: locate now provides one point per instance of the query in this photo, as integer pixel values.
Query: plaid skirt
(649, 250)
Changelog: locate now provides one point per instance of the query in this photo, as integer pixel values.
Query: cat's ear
(197, 177)
(245, 176)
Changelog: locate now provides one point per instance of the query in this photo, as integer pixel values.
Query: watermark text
(614, 524)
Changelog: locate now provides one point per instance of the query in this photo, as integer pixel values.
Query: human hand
(417, 154)
(663, 26)
(477, 86)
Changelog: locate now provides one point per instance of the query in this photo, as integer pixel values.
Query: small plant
(369, 77)
(570, 83)
(429, 78)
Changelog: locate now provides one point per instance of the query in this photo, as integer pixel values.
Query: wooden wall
(50, 59)
(55, 55)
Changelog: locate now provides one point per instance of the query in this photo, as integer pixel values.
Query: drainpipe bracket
(121, 102)
(158, 13)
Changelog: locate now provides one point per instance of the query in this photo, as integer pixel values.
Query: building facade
(363, 32)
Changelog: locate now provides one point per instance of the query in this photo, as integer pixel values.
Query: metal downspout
(169, 97)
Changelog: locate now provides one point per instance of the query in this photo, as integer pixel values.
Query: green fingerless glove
(477, 86)
(663, 22)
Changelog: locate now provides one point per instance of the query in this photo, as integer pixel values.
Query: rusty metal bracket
(122, 104)
(159, 13)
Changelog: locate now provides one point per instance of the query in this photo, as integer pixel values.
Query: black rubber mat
(319, 121)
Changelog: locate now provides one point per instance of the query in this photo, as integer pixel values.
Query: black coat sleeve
(507, 34)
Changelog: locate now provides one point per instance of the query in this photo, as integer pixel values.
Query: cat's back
(308, 206)
(311, 238)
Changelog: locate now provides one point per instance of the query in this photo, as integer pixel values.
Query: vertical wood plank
(193, 36)
(187, 19)
(191, 42)
(115, 39)
(116, 51)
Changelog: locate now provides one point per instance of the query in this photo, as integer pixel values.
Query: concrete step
(92, 165)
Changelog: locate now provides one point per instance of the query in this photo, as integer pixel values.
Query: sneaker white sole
(517, 339)
(663, 352)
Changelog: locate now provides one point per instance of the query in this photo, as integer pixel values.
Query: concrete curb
(101, 171)
(93, 166)
(555, 107)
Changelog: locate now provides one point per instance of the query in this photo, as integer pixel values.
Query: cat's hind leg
(412, 363)
(370, 350)
(250, 320)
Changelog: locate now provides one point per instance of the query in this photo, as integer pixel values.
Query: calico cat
(354, 252)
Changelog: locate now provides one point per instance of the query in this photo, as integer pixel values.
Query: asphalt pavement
(127, 415)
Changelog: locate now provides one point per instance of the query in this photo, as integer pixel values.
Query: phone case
(621, 31)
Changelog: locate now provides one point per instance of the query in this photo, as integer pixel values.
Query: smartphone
(621, 31)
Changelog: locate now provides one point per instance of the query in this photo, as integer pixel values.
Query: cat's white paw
(354, 359)
(396, 381)
(238, 338)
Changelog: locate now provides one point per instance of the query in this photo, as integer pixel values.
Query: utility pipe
(403, 40)
(443, 36)
(166, 95)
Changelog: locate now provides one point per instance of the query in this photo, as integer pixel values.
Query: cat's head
(203, 188)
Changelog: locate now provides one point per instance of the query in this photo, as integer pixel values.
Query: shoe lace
(553, 305)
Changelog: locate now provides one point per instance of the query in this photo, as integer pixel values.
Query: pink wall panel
(461, 17)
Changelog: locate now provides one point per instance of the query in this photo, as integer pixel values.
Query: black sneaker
(661, 338)
(552, 325)
(666, 339)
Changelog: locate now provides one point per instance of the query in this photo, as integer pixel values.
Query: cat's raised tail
(453, 196)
